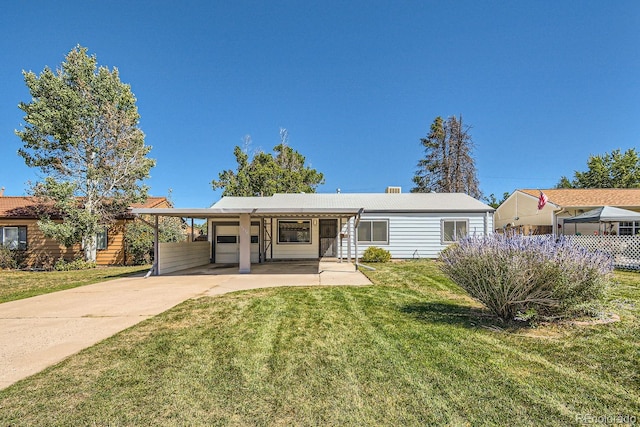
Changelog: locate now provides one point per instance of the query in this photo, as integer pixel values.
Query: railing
(624, 249)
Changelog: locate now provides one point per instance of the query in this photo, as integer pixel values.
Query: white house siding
(418, 235)
(182, 255)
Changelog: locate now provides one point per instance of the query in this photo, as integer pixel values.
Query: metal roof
(374, 202)
(307, 204)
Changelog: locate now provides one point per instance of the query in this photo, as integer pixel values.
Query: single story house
(520, 213)
(246, 230)
(19, 231)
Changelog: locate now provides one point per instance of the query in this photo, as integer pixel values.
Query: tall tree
(82, 132)
(448, 165)
(609, 170)
(266, 174)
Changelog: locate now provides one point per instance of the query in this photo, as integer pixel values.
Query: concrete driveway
(38, 332)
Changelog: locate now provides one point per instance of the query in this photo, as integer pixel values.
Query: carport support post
(245, 243)
(156, 248)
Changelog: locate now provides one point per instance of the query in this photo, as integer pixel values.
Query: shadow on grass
(454, 314)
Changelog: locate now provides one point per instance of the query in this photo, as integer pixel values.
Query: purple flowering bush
(512, 275)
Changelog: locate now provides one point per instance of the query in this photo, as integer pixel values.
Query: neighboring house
(520, 213)
(246, 230)
(19, 231)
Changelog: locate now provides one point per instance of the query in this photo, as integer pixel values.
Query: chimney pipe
(2, 192)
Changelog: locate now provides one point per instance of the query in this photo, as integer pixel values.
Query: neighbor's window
(629, 228)
(294, 231)
(15, 238)
(373, 232)
(102, 240)
(454, 230)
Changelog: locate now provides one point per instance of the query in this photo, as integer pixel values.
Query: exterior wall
(419, 235)
(41, 251)
(115, 253)
(411, 235)
(182, 255)
(297, 250)
(524, 207)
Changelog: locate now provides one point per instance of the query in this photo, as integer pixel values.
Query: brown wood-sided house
(19, 231)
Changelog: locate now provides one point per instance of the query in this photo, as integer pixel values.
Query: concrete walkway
(38, 332)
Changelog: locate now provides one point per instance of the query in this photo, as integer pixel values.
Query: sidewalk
(38, 332)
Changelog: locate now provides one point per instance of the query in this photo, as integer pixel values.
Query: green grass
(16, 285)
(410, 350)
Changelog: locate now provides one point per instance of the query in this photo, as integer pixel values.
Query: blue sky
(356, 83)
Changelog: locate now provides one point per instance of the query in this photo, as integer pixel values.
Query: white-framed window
(453, 230)
(102, 240)
(294, 231)
(629, 228)
(373, 231)
(14, 237)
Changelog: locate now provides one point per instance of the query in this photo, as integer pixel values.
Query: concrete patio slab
(38, 332)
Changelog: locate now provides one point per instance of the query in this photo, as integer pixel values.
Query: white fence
(182, 255)
(624, 249)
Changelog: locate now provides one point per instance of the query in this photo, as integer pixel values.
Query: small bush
(375, 254)
(76, 264)
(532, 275)
(7, 258)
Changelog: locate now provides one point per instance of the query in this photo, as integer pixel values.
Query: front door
(328, 237)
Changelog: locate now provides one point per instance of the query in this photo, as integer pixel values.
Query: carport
(171, 257)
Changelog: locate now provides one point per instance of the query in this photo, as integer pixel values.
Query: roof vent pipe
(2, 192)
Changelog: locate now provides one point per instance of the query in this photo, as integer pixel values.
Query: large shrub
(376, 254)
(11, 258)
(520, 274)
(139, 238)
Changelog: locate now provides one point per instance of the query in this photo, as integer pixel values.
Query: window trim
(372, 241)
(454, 220)
(308, 221)
(23, 245)
(99, 247)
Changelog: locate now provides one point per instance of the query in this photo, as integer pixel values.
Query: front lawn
(410, 350)
(16, 285)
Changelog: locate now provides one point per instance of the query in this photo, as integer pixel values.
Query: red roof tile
(29, 207)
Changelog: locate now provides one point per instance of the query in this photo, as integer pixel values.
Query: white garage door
(227, 244)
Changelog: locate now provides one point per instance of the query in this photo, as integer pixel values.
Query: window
(254, 239)
(102, 240)
(294, 231)
(373, 231)
(226, 239)
(15, 238)
(454, 230)
(629, 228)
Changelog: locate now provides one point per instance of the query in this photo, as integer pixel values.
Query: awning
(605, 214)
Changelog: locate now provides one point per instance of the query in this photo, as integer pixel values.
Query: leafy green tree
(493, 202)
(266, 174)
(609, 170)
(82, 132)
(448, 165)
(139, 237)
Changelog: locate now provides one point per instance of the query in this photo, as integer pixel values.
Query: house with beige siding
(19, 231)
(519, 212)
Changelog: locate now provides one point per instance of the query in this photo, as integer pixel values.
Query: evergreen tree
(448, 165)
